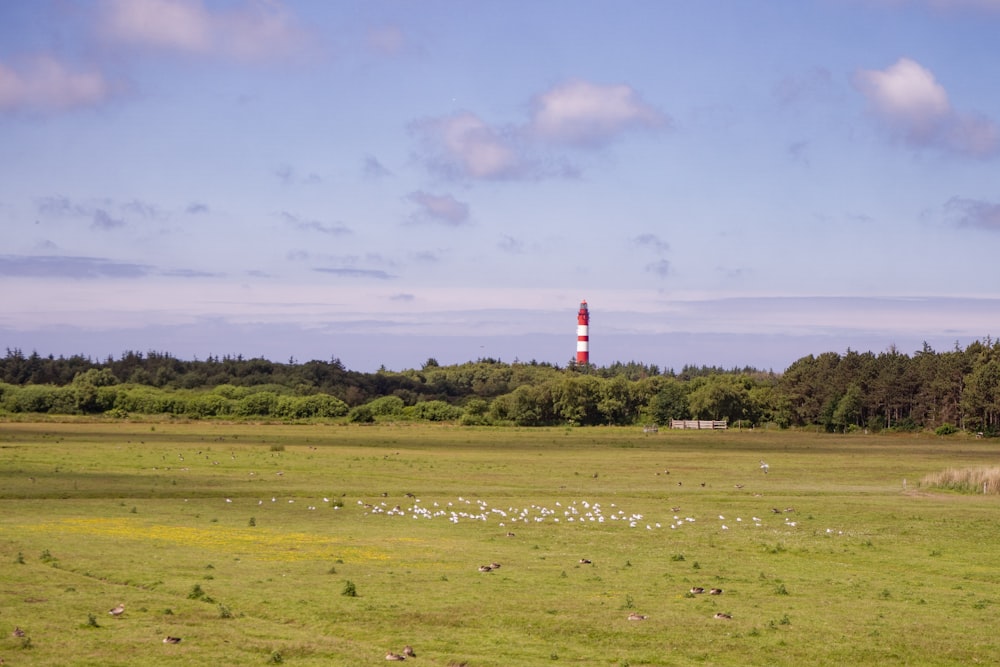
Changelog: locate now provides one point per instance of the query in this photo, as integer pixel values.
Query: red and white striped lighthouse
(583, 334)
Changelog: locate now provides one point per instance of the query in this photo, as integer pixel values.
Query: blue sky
(726, 183)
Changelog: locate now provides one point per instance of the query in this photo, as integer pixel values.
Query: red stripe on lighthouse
(583, 334)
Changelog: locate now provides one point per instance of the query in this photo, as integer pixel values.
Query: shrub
(945, 429)
(350, 590)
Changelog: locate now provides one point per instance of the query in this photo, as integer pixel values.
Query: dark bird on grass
(697, 590)
(119, 610)
(715, 591)
(394, 656)
(18, 632)
(485, 568)
(722, 616)
(495, 566)
(408, 651)
(171, 640)
(637, 617)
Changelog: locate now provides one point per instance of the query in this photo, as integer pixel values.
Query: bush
(435, 411)
(945, 429)
(361, 414)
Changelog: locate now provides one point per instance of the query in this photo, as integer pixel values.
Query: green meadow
(332, 544)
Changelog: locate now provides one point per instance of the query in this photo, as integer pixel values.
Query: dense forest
(941, 391)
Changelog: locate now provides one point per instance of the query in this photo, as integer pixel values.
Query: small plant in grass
(252, 523)
(92, 621)
(276, 658)
(332, 570)
(780, 590)
(47, 556)
(134, 510)
(25, 643)
(629, 602)
(168, 612)
(885, 594)
(350, 590)
(696, 566)
(196, 593)
(20, 558)
(225, 612)
(677, 557)
(277, 448)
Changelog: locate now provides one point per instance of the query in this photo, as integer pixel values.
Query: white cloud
(439, 208)
(387, 40)
(45, 84)
(579, 114)
(464, 145)
(588, 114)
(915, 107)
(974, 213)
(255, 30)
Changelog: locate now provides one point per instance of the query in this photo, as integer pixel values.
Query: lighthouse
(583, 335)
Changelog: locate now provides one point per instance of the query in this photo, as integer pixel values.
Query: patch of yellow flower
(244, 542)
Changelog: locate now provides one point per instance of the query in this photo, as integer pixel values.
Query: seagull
(171, 640)
(394, 656)
(637, 617)
(408, 651)
(723, 616)
(715, 591)
(764, 467)
(119, 610)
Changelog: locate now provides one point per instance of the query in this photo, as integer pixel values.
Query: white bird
(764, 467)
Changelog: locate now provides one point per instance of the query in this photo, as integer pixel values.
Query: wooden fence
(699, 424)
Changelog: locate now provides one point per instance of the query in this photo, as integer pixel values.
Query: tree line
(942, 391)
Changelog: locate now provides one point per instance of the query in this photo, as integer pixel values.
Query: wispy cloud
(103, 220)
(289, 176)
(374, 169)
(196, 208)
(356, 273)
(307, 225)
(53, 266)
(439, 208)
(511, 245)
(974, 213)
(44, 84)
(386, 40)
(907, 99)
(248, 31)
(660, 268)
(653, 242)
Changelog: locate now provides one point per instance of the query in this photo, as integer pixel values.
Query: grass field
(242, 540)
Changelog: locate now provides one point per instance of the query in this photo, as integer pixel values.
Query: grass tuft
(979, 479)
